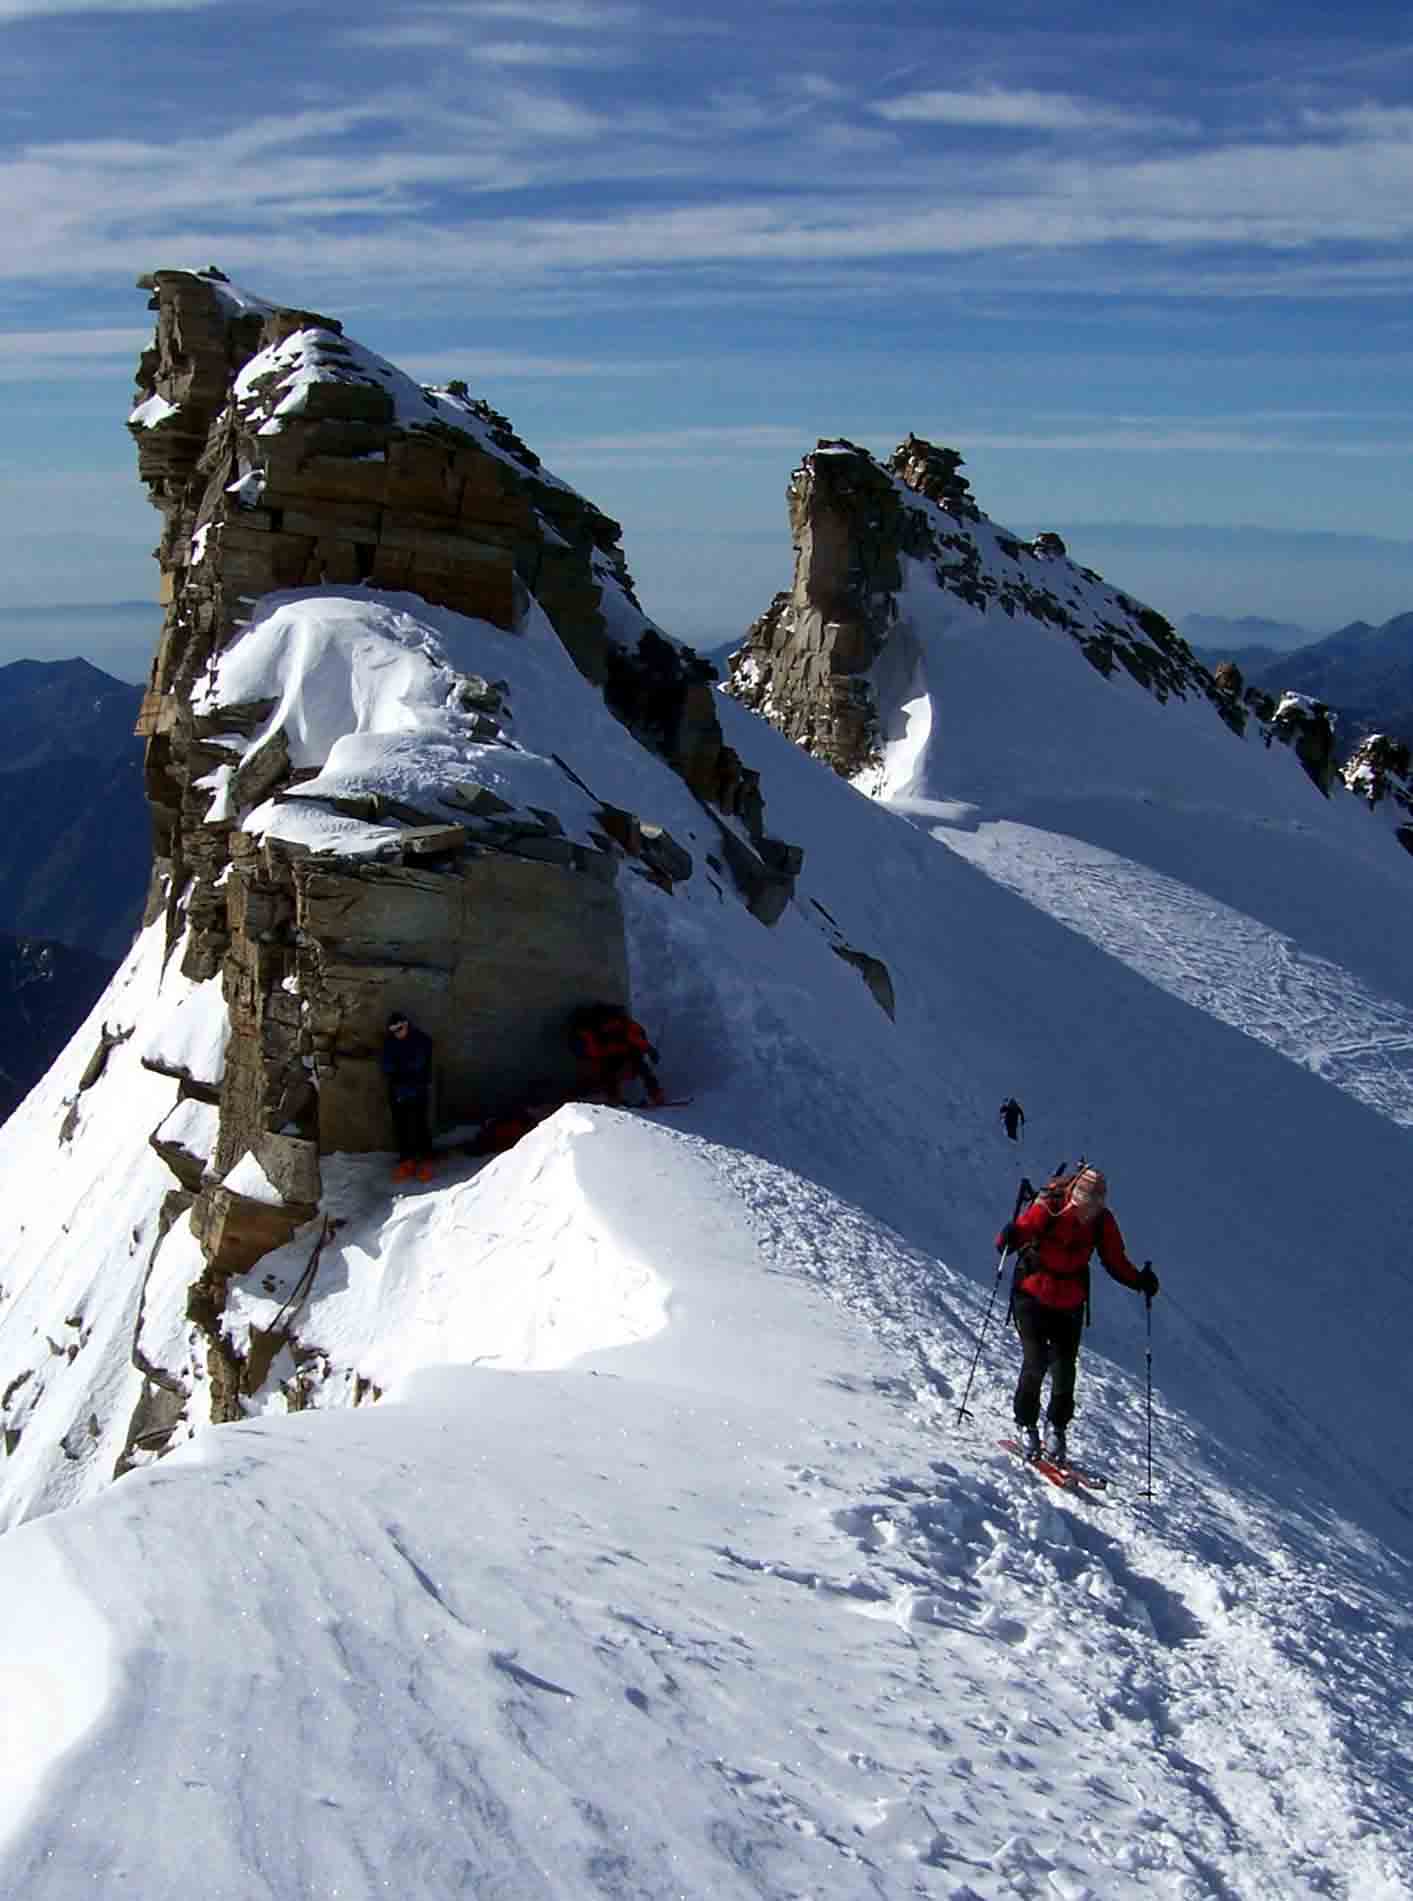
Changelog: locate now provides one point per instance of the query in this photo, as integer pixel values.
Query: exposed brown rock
(281, 455)
(1381, 769)
(1308, 727)
(806, 663)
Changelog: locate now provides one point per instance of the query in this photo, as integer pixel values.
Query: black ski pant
(1049, 1344)
(412, 1126)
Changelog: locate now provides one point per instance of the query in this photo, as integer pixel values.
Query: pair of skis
(1066, 1478)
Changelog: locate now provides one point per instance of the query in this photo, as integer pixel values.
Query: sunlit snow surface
(663, 1567)
(1126, 858)
(727, 1611)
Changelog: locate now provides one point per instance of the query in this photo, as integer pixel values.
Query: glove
(1007, 1238)
(1148, 1280)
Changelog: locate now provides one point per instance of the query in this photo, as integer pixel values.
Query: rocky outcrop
(1380, 771)
(1307, 727)
(282, 454)
(284, 458)
(806, 664)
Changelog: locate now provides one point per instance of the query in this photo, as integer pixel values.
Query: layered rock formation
(857, 525)
(806, 662)
(1380, 771)
(285, 458)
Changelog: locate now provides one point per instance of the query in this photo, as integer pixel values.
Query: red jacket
(1060, 1247)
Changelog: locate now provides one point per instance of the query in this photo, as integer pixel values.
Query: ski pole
(962, 1412)
(1148, 1369)
(1024, 1194)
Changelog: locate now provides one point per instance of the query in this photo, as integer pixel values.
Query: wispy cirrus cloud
(461, 25)
(11, 10)
(1366, 121)
(485, 182)
(27, 355)
(736, 436)
(587, 16)
(1169, 438)
(699, 446)
(457, 36)
(1020, 111)
(548, 54)
(1108, 435)
(473, 364)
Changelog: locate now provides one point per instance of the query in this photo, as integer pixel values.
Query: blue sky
(1151, 280)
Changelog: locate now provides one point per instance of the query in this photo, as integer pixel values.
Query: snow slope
(664, 1566)
(726, 1609)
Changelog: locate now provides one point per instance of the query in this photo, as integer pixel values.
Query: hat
(397, 1019)
(1091, 1184)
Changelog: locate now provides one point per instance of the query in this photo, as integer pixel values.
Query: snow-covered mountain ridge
(597, 1519)
(828, 659)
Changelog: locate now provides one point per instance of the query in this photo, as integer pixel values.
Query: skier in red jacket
(1054, 1239)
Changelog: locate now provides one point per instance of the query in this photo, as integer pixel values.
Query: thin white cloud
(474, 365)
(1169, 439)
(586, 16)
(38, 356)
(817, 87)
(399, 182)
(407, 35)
(458, 36)
(11, 10)
(545, 53)
(75, 345)
(1019, 111)
(706, 443)
(456, 25)
(1363, 122)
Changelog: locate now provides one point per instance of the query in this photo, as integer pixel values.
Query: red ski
(1066, 1478)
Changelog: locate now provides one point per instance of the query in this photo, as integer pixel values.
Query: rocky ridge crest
(806, 664)
(287, 461)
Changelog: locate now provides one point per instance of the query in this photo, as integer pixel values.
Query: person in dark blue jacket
(407, 1066)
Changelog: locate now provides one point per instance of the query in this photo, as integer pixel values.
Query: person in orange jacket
(1054, 1239)
(614, 1053)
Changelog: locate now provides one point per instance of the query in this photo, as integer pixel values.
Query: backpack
(1054, 1194)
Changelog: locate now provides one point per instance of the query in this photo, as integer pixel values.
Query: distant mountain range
(1248, 632)
(46, 990)
(64, 709)
(75, 840)
(1364, 673)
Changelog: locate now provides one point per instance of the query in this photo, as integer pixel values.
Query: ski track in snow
(1179, 1672)
(656, 1625)
(1208, 954)
(712, 1596)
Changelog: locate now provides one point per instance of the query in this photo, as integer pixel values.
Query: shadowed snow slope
(663, 1567)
